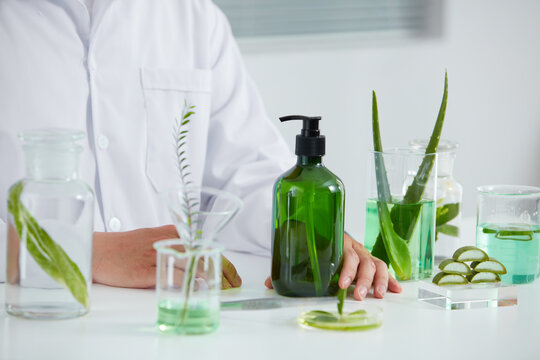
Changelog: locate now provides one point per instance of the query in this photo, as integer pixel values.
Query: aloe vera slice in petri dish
(483, 277)
(492, 265)
(451, 266)
(443, 279)
(354, 321)
(470, 253)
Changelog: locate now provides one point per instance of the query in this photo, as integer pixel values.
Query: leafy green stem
(180, 136)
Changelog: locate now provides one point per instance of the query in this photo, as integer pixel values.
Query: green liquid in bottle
(307, 239)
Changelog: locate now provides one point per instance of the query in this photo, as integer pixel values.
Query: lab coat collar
(87, 24)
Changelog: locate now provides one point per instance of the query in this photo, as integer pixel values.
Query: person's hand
(128, 259)
(367, 270)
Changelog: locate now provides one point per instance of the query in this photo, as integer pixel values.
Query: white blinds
(259, 18)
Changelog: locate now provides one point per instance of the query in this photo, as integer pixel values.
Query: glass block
(470, 296)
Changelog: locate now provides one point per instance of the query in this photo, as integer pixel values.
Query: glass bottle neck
(51, 164)
(445, 165)
(303, 160)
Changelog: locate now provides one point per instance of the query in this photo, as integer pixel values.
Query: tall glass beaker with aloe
(308, 218)
(50, 229)
(400, 224)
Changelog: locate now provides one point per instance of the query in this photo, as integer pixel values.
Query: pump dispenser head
(309, 142)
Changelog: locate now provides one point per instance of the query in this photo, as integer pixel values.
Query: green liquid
(307, 241)
(517, 246)
(420, 242)
(201, 317)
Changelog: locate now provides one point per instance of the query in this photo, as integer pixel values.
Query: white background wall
(491, 49)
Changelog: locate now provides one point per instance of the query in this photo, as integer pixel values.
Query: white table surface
(120, 325)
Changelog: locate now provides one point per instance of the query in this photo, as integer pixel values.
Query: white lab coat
(122, 75)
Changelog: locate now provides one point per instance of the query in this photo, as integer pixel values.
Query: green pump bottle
(308, 218)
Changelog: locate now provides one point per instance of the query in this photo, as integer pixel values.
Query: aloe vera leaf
(45, 251)
(341, 295)
(396, 248)
(450, 230)
(319, 312)
(518, 235)
(446, 213)
(416, 189)
(358, 313)
(470, 253)
(449, 279)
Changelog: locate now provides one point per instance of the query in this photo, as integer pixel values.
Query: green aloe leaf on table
(444, 215)
(47, 253)
(397, 224)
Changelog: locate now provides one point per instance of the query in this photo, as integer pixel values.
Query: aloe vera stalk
(50, 256)
(398, 225)
(416, 189)
(341, 295)
(397, 251)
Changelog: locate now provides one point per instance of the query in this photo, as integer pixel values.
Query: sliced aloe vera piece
(483, 277)
(442, 279)
(470, 253)
(358, 313)
(492, 265)
(357, 320)
(451, 266)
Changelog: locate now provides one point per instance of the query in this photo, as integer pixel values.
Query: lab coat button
(114, 224)
(103, 142)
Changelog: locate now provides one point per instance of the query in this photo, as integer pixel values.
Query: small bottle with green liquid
(308, 220)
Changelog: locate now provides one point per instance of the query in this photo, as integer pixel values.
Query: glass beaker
(189, 270)
(449, 198)
(407, 211)
(188, 287)
(508, 229)
(50, 229)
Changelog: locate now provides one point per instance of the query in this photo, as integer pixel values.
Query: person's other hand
(367, 270)
(128, 259)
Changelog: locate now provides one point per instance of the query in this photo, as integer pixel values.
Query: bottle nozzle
(310, 142)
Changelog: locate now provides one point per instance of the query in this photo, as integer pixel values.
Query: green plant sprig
(180, 132)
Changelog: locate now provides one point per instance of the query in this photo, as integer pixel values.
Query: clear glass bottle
(50, 229)
(449, 198)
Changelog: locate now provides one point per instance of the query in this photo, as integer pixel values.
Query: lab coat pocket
(166, 94)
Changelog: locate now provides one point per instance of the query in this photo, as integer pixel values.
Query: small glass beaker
(188, 287)
(408, 210)
(189, 270)
(449, 197)
(508, 229)
(50, 230)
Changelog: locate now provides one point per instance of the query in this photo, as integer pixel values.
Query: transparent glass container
(407, 245)
(50, 229)
(449, 198)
